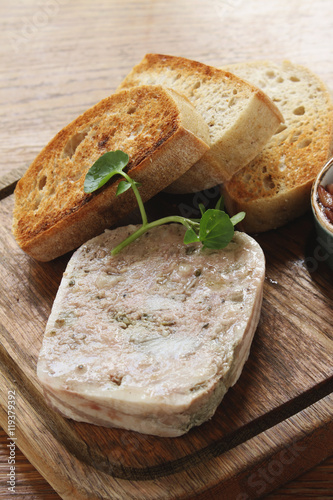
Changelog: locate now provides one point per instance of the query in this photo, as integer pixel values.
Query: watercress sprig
(214, 229)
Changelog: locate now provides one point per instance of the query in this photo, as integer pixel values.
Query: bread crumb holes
(131, 110)
(42, 182)
(268, 182)
(304, 143)
(74, 142)
(299, 111)
(295, 136)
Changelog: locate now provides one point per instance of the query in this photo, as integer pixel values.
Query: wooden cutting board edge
(250, 470)
(9, 181)
(280, 451)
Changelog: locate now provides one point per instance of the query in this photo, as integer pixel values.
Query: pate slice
(151, 339)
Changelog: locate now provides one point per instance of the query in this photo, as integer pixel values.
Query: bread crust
(53, 215)
(240, 116)
(275, 187)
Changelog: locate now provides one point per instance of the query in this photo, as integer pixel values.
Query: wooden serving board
(275, 423)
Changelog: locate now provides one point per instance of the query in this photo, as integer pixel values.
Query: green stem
(138, 198)
(146, 226)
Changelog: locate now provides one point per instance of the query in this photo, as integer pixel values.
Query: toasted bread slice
(241, 117)
(161, 132)
(274, 188)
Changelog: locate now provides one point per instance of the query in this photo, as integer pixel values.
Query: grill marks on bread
(275, 187)
(160, 131)
(240, 117)
(54, 183)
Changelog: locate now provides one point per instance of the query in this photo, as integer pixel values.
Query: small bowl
(324, 228)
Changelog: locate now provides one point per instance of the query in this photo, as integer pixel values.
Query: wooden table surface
(60, 57)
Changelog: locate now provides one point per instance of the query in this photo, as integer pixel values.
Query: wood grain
(273, 391)
(61, 60)
(61, 57)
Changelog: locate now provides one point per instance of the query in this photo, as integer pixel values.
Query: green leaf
(190, 237)
(202, 208)
(124, 186)
(237, 218)
(216, 229)
(107, 165)
(220, 204)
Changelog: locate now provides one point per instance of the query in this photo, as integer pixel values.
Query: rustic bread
(161, 132)
(163, 354)
(274, 188)
(241, 117)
